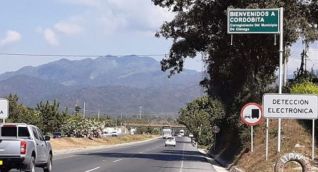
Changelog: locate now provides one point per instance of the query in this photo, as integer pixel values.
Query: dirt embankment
(72, 144)
(295, 138)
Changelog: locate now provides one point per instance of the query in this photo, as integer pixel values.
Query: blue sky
(97, 27)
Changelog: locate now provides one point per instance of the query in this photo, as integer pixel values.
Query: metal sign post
(266, 142)
(313, 140)
(251, 115)
(216, 129)
(252, 138)
(281, 51)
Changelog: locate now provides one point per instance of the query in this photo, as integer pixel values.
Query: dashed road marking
(117, 160)
(92, 169)
(181, 167)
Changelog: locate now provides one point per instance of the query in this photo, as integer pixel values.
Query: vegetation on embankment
(295, 138)
(69, 143)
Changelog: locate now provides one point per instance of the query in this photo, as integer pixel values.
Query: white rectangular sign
(290, 106)
(4, 108)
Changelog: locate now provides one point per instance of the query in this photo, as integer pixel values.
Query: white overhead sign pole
(281, 51)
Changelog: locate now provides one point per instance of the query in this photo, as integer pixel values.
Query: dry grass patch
(79, 143)
(295, 138)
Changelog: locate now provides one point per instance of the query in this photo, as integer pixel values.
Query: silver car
(24, 147)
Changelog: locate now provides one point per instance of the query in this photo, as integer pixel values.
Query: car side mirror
(47, 138)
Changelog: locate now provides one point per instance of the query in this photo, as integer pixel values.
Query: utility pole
(98, 114)
(84, 110)
(140, 111)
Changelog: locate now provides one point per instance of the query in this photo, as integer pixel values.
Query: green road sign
(247, 21)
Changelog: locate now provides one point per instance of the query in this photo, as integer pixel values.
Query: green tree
(18, 113)
(51, 116)
(15, 109)
(238, 72)
(305, 87)
(200, 116)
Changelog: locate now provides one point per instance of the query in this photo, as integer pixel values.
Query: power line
(73, 55)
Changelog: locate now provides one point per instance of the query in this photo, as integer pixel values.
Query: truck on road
(167, 133)
(24, 147)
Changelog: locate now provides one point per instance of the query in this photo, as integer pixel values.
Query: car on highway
(57, 135)
(115, 133)
(24, 147)
(106, 134)
(171, 141)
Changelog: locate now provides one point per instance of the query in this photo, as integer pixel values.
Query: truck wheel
(48, 166)
(31, 167)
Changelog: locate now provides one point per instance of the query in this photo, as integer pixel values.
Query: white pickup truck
(24, 147)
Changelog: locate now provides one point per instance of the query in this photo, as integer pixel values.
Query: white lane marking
(117, 160)
(92, 169)
(181, 167)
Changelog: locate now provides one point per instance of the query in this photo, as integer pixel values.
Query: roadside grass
(295, 138)
(67, 143)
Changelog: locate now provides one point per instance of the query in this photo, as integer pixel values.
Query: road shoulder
(215, 164)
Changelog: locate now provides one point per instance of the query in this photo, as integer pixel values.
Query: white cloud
(11, 37)
(140, 13)
(50, 37)
(64, 27)
(313, 53)
(90, 3)
(68, 28)
(111, 16)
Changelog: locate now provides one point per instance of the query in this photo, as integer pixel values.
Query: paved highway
(151, 156)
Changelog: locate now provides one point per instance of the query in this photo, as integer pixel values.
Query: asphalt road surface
(151, 156)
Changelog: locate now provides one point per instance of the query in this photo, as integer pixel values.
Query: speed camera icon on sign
(251, 114)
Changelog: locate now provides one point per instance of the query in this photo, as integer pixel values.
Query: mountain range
(109, 84)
